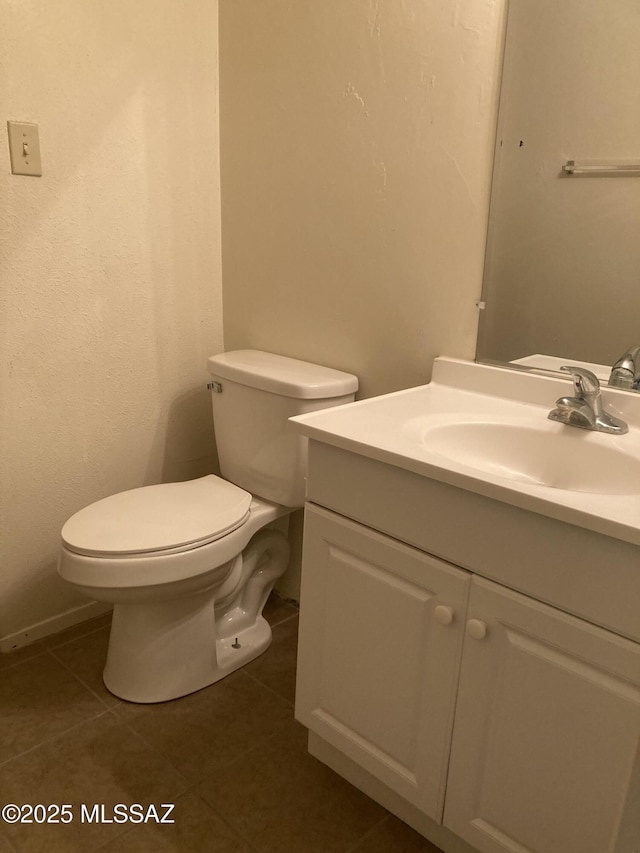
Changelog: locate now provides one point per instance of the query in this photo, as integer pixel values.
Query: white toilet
(189, 566)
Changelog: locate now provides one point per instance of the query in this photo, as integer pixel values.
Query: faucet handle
(585, 409)
(585, 382)
(625, 373)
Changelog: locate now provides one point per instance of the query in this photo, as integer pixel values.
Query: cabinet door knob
(443, 614)
(476, 629)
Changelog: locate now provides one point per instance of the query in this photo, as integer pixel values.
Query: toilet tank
(253, 394)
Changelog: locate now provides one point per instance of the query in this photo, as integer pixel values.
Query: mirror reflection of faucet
(625, 373)
(584, 409)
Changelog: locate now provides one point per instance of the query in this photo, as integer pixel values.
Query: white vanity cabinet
(513, 724)
(545, 754)
(380, 636)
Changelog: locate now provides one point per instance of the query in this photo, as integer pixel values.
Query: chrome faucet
(625, 373)
(584, 409)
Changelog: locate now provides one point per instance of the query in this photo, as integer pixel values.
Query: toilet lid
(169, 516)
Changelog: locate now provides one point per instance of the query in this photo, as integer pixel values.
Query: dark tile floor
(231, 758)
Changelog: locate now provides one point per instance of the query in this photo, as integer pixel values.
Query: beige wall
(356, 143)
(110, 297)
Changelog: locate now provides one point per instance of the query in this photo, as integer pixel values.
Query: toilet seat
(99, 574)
(158, 520)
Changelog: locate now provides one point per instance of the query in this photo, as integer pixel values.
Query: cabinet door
(545, 752)
(381, 628)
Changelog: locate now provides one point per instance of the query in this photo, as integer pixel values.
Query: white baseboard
(53, 625)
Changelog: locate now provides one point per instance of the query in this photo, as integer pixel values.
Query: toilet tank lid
(281, 375)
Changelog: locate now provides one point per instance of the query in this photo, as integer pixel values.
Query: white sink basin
(485, 429)
(551, 456)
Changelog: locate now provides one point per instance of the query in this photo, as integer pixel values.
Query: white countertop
(392, 429)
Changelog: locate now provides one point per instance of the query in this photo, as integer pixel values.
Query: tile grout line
(369, 832)
(270, 689)
(154, 749)
(224, 820)
(158, 753)
(45, 649)
(55, 737)
(124, 828)
(284, 620)
(52, 653)
(120, 720)
(240, 757)
(9, 666)
(73, 639)
(221, 815)
(191, 786)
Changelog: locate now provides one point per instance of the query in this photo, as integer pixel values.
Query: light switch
(24, 148)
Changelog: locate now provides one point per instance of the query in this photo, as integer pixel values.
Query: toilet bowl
(186, 613)
(188, 566)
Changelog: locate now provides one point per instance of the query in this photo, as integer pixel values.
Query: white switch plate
(24, 148)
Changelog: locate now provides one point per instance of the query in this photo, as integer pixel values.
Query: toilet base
(164, 645)
(145, 665)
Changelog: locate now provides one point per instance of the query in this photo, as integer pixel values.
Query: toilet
(188, 566)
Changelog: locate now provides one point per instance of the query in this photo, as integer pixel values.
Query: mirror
(562, 269)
